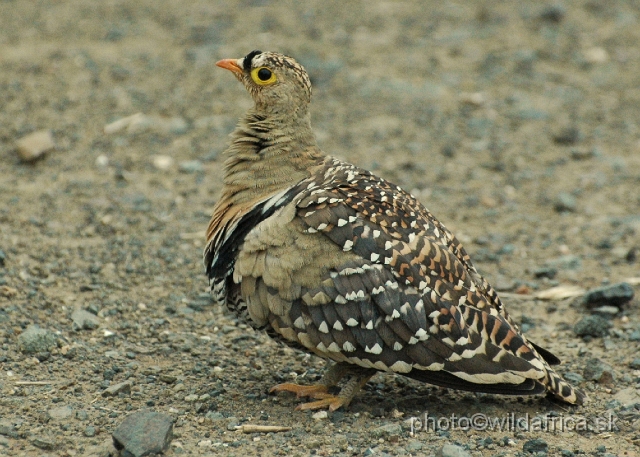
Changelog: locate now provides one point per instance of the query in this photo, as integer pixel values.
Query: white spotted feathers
(331, 259)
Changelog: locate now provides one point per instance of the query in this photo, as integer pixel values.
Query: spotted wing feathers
(414, 304)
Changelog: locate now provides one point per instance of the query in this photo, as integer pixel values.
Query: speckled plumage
(334, 260)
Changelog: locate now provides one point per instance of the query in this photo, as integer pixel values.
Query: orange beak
(231, 65)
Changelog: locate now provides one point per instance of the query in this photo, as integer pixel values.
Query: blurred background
(515, 123)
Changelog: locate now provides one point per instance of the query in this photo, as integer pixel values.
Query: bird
(330, 259)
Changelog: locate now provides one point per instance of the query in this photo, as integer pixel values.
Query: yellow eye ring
(263, 76)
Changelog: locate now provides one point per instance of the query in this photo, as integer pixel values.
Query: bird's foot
(358, 377)
(332, 401)
(318, 391)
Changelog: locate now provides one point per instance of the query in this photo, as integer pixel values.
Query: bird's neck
(268, 153)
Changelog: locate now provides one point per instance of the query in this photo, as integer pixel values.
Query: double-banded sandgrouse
(331, 259)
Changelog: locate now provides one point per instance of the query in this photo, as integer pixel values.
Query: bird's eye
(263, 76)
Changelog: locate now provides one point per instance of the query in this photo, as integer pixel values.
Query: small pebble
(168, 379)
(545, 272)
(565, 262)
(34, 145)
(596, 55)
(191, 166)
(84, 320)
(535, 446)
(609, 345)
(567, 136)
(473, 99)
(582, 154)
(102, 161)
(37, 340)
(214, 415)
(129, 122)
(553, 13)
(386, 430)
(595, 326)
(451, 450)
(43, 443)
(60, 413)
(162, 163)
(122, 387)
(597, 370)
(232, 423)
(608, 312)
(574, 378)
(565, 202)
(320, 415)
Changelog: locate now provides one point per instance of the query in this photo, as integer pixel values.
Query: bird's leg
(358, 378)
(331, 377)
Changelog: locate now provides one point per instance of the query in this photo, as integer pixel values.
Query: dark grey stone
(595, 326)
(565, 202)
(44, 443)
(35, 339)
(191, 166)
(545, 272)
(612, 295)
(553, 13)
(84, 320)
(574, 378)
(582, 154)
(122, 387)
(386, 431)
(413, 446)
(597, 370)
(536, 445)
(143, 433)
(567, 136)
(9, 430)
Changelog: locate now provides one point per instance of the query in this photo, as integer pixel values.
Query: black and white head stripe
(246, 62)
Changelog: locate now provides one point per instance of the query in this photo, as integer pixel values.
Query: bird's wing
(407, 301)
(227, 230)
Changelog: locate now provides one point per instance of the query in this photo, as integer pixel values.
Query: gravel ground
(516, 123)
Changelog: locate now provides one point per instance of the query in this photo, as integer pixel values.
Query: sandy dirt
(515, 123)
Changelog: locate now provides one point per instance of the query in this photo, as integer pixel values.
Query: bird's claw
(332, 401)
(317, 391)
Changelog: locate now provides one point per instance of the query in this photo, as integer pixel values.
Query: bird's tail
(562, 390)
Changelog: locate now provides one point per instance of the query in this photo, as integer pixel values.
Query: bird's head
(277, 83)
